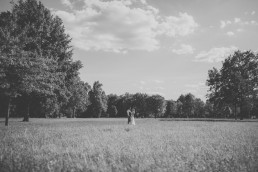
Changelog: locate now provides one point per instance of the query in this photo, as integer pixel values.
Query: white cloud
(182, 25)
(184, 49)
(197, 85)
(230, 33)
(160, 88)
(111, 26)
(215, 54)
(143, 1)
(253, 22)
(236, 21)
(120, 26)
(67, 3)
(223, 23)
(250, 13)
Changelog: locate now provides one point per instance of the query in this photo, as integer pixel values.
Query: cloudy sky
(161, 47)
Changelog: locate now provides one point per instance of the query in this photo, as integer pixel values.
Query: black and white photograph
(128, 85)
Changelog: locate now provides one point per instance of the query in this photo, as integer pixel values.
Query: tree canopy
(236, 82)
(36, 57)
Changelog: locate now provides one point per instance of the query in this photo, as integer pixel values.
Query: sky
(163, 47)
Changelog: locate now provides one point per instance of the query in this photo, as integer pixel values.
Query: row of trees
(39, 78)
(155, 106)
(187, 106)
(145, 105)
(233, 92)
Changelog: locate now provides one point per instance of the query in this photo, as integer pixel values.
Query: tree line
(39, 78)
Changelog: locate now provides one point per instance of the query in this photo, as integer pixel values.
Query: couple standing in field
(130, 115)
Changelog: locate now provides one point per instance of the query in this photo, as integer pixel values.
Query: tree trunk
(235, 111)
(241, 111)
(8, 112)
(26, 116)
(74, 109)
(98, 114)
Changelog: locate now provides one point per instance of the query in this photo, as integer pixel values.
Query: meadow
(112, 145)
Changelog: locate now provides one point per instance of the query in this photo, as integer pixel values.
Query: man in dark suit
(129, 112)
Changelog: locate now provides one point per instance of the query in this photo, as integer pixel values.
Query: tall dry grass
(112, 145)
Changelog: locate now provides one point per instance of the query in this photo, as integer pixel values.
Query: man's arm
(128, 112)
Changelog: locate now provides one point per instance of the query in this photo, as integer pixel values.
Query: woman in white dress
(132, 117)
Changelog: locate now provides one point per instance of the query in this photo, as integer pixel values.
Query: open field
(112, 145)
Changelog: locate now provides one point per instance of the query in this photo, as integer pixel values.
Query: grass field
(112, 145)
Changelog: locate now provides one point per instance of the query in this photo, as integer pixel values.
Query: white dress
(132, 119)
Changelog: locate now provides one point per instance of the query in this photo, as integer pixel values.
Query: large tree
(112, 103)
(236, 82)
(171, 109)
(156, 105)
(79, 99)
(98, 100)
(30, 28)
(189, 105)
(140, 103)
(199, 108)
(24, 75)
(124, 102)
